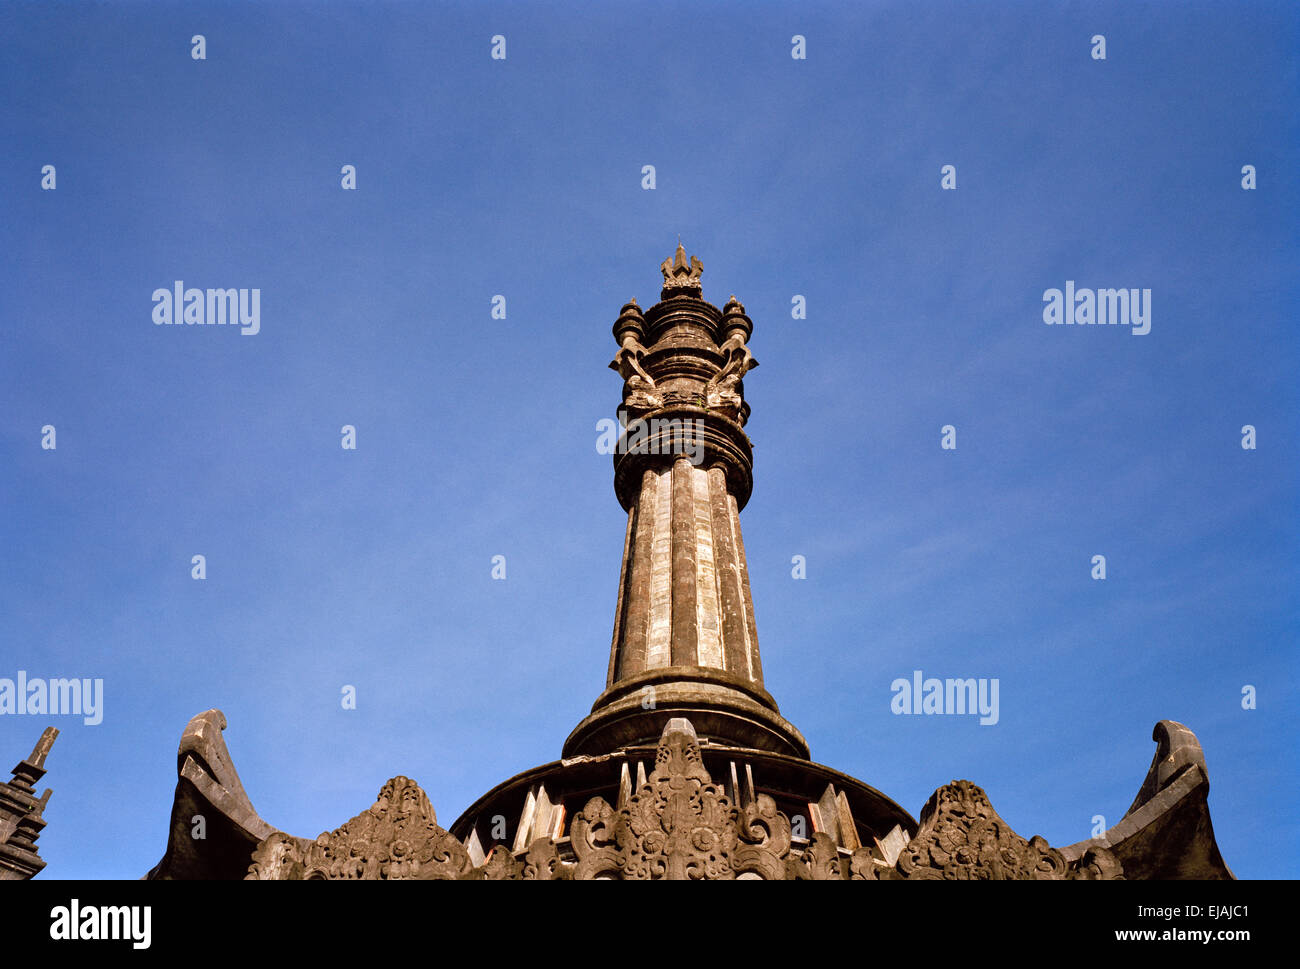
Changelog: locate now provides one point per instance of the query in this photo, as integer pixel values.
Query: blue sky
(476, 436)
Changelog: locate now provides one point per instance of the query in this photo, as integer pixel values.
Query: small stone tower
(685, 642)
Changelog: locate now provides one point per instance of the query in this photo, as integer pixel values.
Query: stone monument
(685, 768)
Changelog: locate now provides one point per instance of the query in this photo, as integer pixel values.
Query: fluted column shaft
(684, 597)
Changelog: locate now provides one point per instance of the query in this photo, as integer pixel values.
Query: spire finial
(681, 278)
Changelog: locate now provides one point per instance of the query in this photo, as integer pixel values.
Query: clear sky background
(476, 437)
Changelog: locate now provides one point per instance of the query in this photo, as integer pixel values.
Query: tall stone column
(685, 642)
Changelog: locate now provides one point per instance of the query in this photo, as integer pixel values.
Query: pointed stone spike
(848, 830)
(734, 791)
(542, 815)
(640, 774)
(827, 812)
(525, 822)
(475, 848)
(42, 748)
(747, 792)
(892, 845)
(624, 787)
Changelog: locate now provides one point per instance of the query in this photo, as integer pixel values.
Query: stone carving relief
(961, 837)
(678, 274)
(680, 825)
(677, 825)
(638, 385)
(397, 838)
(763, 834)
(722, 392)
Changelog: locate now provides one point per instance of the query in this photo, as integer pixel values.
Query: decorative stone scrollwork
(679, 275)
(1098, 864)
(277, 858)
(863, 866)
(594, 839)
(501, 866)
(679, 825)
(397, 838)
(764, 840)
(638, 385)
(961, 837)
(542, 863)
(820, 861)
(722, 392)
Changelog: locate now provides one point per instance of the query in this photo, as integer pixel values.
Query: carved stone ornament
(962, 838)
(398, 838)
(681, 278)
(501, 866)
(763, 834)
(679, 825)
(638, 385)
(722, 392)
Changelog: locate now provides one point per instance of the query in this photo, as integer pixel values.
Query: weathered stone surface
(22, 814)
(685, 641)
(679, 825)
(500, 866)
(681, 277)
(685, 692)
(963, 838)
(763, 840)
(397, 839)
(1166, 833)
(208, 788)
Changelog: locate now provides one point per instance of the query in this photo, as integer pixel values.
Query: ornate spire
(684, 643)
(681, 279)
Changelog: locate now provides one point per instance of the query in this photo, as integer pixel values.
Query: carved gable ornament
(676, 825)
(962, 838)
(398, 838)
